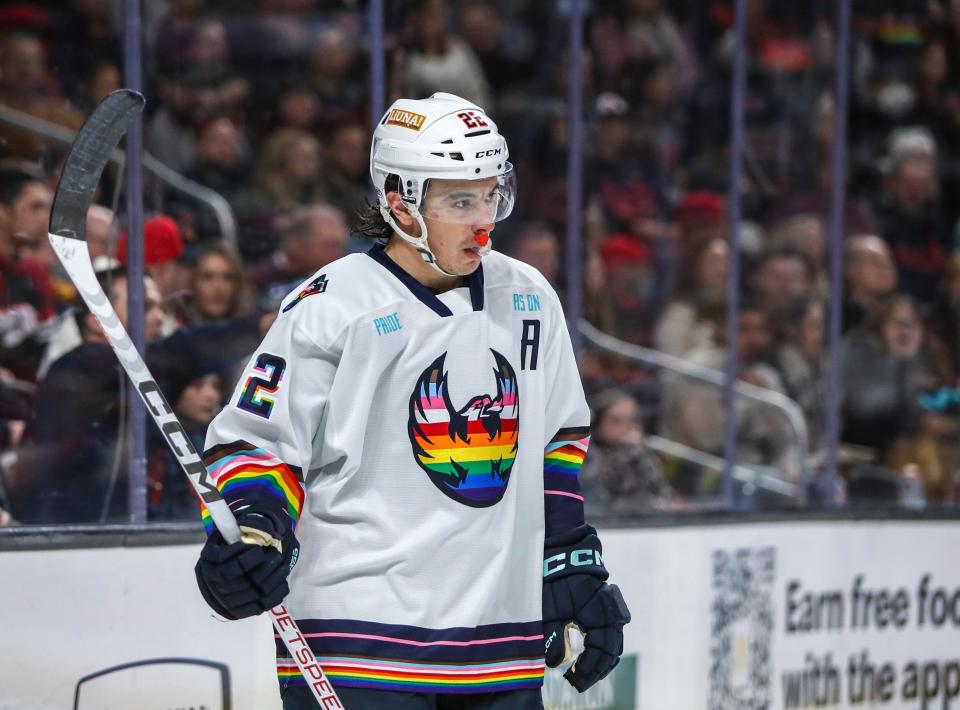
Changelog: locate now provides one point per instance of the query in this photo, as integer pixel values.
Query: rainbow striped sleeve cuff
(246, 472)
(562, 460)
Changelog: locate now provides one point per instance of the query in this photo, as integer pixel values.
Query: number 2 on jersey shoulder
(254, 397)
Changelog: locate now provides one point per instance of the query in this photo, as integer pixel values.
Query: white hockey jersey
(422, 444)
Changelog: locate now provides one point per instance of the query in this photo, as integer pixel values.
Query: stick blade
(89, 154)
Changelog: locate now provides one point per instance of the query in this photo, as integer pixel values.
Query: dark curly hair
(369, 222)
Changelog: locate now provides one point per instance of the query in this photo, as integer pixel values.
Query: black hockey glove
(247, 578)
(575, 593)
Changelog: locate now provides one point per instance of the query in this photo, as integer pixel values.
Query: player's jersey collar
(424, 294)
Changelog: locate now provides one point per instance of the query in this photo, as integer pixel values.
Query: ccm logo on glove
(574, 558)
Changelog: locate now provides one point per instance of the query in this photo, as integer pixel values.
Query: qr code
(742, 628)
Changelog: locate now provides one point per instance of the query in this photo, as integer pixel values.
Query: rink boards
(765, 614)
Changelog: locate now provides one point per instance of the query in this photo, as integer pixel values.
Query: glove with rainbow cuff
(249, 577)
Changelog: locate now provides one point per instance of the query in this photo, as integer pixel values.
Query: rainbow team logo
(467, 453)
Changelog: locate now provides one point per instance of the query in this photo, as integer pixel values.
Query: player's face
(455, 212)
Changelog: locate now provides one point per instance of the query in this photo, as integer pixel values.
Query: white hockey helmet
(444, 137)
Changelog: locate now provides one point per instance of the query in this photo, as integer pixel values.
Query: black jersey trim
(424, 294)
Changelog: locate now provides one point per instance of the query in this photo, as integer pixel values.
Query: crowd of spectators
(267, 103)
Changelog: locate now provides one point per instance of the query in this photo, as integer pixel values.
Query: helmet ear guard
(419, 243)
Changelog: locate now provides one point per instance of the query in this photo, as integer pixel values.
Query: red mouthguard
(481, 239)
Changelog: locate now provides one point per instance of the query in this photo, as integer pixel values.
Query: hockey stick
(88, 156)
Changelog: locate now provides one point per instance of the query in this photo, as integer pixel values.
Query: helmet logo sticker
(406, 119)
(467, 452)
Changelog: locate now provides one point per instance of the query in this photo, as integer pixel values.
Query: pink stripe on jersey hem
(426, 670)
(477, 642)
(563, 493)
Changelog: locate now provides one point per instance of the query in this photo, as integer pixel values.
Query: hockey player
(407, 440)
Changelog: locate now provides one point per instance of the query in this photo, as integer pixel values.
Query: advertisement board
(793, 614)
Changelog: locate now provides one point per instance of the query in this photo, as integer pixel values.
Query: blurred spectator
(170, 25)
(316, 236)
(626, 33)
(297, 106)
(944, 322)
(101, 231)
(346, 171)
(886, 370)
(31, 218)
(219, 287)
(326, 87)
(103, 78)
(812, 178)
(64, 333)
(779, 277)
(83, 35)
(270, 39)
(621, 474)
(26, 295)
(800, 362)
(660, 124)
(337, 76)
(26, 85)
(197, 397)
(538, 245)
(287, 176)
(16, 408)
(30, 212)
(546, 169)
(937, 102)
(221, 161)
(691, 321)
(869, 275)
(804, 233)
(629, 288)
(692, 413)
(504, 49)
(76, 459)
(439, 60)
(203, 87)
(910, 219)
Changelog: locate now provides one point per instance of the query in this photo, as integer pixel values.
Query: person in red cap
(162, 246)
(628, 265)
(701, 217)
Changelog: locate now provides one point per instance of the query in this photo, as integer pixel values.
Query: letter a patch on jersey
(467, 452)
(318, 285)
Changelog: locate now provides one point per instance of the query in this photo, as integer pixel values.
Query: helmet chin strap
(420, 243)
